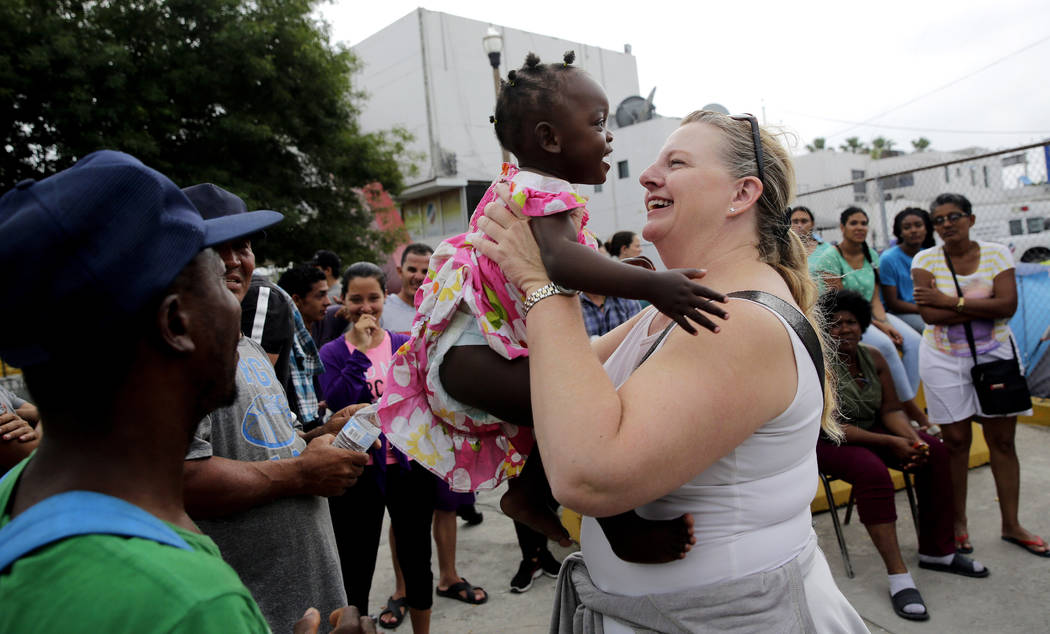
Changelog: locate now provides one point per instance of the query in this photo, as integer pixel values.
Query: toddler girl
(458, 390)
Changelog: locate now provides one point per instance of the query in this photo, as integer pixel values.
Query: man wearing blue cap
(93, 533)
(252, 483)
(122, 394)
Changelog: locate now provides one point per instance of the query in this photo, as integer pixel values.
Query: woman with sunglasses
(853, 265)
(718, 426)
(914, 232)
(878, 436)
(985, 272)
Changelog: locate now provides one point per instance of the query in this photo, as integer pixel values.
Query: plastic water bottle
(359, 433)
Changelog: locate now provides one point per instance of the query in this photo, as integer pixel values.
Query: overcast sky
(960, 73)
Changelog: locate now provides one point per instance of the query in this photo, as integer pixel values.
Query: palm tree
(818, 144)
(880, 145)
(853, 145)
(920, 144)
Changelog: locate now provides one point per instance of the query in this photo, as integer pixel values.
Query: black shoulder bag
(1001, 388)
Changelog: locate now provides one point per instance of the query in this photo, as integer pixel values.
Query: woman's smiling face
(686, 184)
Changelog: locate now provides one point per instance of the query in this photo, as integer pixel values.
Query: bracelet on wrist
(550, 289)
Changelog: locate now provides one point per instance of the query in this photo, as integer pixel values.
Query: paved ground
(1014, 599)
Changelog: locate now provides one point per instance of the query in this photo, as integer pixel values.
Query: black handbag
(1001, 388)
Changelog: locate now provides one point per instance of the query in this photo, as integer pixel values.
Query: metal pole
(494, 59)
(885, 237)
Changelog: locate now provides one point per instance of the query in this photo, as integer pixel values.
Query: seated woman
(878, 435)
(852, 264)
(802, 223)
(914, 232)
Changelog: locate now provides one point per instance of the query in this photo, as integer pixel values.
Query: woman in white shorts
(985, 271)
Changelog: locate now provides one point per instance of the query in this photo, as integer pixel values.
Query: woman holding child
(716, 426)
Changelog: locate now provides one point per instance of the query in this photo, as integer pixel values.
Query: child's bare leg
(643, 541)
(525, 498)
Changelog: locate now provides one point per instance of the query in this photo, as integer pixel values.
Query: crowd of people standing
(202, 491)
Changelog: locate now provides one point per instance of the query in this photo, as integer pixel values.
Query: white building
(428, 73)
(885, 186)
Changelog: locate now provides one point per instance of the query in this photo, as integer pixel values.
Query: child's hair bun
(532, 60)
(570, 57)
(512, 77)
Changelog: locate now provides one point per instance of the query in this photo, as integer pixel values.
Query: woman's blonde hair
(778, 246)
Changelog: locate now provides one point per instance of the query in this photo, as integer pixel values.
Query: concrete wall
(427, 72)
(392, 78)
(819, 170)
(620, 205)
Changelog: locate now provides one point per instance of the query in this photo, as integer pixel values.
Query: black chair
(826, 481)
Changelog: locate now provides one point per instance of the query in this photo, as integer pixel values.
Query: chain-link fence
(1009, 190)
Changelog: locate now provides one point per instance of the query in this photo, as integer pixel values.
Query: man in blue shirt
(601, 314)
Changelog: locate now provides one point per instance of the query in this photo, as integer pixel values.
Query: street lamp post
(493, 45)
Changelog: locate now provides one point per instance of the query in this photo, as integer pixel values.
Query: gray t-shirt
(9, 401)
(283, 551)
(397, 315)
(335, 292)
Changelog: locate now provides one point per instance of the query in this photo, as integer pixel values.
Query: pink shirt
(381, 357)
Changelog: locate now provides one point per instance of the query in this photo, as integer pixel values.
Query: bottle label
(357, 435)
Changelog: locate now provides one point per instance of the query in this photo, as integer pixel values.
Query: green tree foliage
(920, 144)
(247, 94)
(854, 145)
(818, 144)
(880, 145)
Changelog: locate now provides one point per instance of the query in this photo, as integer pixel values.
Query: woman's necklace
(857, 375)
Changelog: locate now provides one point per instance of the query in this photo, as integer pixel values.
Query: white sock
(904, 581)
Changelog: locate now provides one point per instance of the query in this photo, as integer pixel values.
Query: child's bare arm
(478, 376)
(575, 266)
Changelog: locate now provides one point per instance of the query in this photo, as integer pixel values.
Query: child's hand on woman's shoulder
(675, 294)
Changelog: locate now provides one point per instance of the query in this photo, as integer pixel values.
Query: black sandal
(960, 566)
(909, 596)
(464, 592)
(396, 608)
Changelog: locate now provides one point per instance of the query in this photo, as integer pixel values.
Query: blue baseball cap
(215, 203)
(92, 245)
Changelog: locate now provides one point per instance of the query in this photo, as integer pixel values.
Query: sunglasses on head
(953, 217)
(756, 139)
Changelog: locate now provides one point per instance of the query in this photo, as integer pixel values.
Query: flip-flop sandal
(467, 596)
(1028, 543)
(959, 541)
(396, 608)
(960, 566)
(909, 596)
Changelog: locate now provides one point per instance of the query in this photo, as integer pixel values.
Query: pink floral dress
(466, 292)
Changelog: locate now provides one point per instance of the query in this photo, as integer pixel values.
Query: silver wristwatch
(549, 289)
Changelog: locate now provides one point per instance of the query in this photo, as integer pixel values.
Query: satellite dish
(634, 109)
(716, 107)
